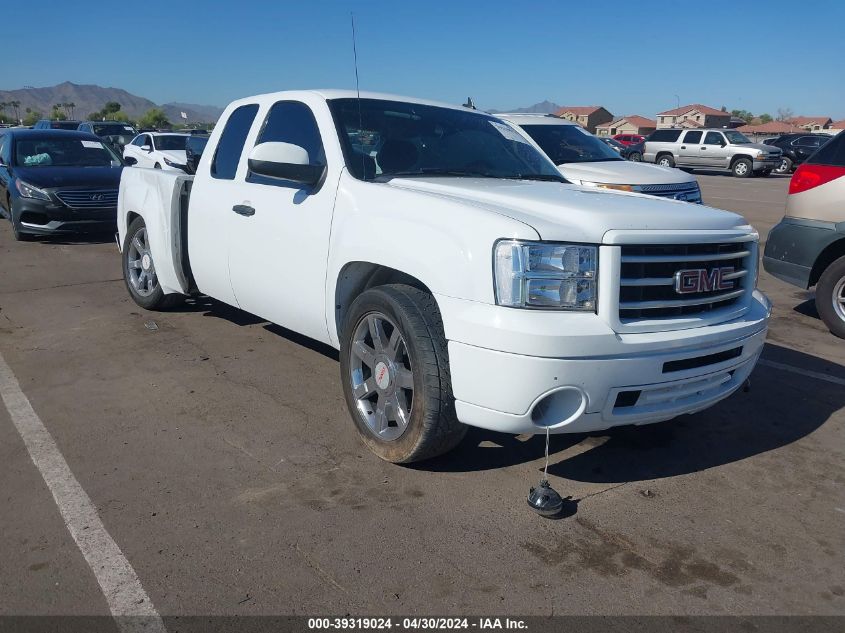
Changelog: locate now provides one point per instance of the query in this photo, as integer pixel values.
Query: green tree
(745, 115)
(57, 113)
(766, 118)
(111, 107)
(15, 105)
(155, 118)
(32, 117)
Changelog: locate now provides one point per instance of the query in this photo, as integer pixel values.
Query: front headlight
(545, 275)
(28, 191)
(603, 185)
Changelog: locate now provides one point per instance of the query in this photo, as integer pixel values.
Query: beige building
(588, 117)
(632, 124)
(811, 123)
(837, 126)
(693, 115)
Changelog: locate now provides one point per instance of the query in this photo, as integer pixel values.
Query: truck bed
(161, 199)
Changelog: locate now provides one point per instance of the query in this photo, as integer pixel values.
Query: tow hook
(746, 386)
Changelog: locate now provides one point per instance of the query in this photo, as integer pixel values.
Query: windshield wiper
(541, 177)
(438, 172)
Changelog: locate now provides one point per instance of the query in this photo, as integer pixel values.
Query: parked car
(157, 150)
(807, 247)
(57, 181)
(194, 147)
(585, 160)
(711, 149)
(116, 133)
(628, 139)
(462, 279)
(55, 124)
(634, 152)
(796, 148)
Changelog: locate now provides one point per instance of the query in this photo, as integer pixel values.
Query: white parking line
(802, 372)
(119, 582)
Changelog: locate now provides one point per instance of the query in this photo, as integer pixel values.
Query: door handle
(243, 209)
(683, 146)
(703, 148)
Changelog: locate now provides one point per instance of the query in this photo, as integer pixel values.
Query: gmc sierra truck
(463, 280)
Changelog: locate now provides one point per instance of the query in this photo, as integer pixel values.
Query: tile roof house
(836, 126)
(587, 117)
(631, 124)
(770, 128)
(811, 123)
(693, 115)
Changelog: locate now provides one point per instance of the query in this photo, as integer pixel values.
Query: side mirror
(286, 162)
(146, 148)
(130, 161)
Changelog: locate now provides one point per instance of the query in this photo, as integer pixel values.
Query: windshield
(570, 144)
(63, 152)
(392, 138)
(169, 142)
(737, 138)
(111, 129)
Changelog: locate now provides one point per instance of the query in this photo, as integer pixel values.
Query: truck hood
(80, 177)
(758, 146)
(559, 211)
(622, 172)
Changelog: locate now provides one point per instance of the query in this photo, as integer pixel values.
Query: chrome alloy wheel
(741, 169)
(783, 168)
(381, 376)
(839, 298)
(142, 272)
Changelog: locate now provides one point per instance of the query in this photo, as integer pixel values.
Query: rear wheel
(635, 157)
(742, 168)
(665, 160)
(394, 367)
(830, 297)
(139, 271)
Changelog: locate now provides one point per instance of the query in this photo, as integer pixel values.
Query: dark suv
(115, 133)
(48, 124)
(796, 149)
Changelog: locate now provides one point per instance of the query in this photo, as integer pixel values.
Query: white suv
(584, 160)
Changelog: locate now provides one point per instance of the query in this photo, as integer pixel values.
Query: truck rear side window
(231, 143)
(665, 136)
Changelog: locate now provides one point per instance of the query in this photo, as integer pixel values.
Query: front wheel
(830, 297)
(139, 270)
(17, 230)
(742, 168)
(394, 366)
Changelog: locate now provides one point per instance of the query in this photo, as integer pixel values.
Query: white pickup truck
(463, 280)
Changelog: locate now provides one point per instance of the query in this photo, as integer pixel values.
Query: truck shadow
(781, 408)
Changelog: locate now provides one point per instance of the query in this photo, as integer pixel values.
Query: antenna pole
(358, 91)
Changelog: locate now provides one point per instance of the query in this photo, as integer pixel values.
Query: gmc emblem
(703, 280)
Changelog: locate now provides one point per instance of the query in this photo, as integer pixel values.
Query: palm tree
(15, 105)
(72, 107)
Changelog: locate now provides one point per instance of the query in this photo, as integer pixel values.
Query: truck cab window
(291, 122)
(231, 144)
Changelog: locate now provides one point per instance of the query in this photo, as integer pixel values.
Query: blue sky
(758, 56)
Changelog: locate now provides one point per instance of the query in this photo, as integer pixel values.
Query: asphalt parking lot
(219, 455)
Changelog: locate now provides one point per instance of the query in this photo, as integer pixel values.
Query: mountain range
(544, 107)
(90, 98)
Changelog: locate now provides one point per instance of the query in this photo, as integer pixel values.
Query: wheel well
(660, 154)
(740, 156)
(356, 277)
(829, 255)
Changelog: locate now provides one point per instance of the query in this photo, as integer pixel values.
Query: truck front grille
(676, 280)
(88, 198)
(688, 191)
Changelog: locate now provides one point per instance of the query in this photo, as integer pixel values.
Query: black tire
(665, 160)
(831, 287)
(786, 166)
(156, 300)
(742, 168)
(635, 157)
(433, 427)
(157, 166)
